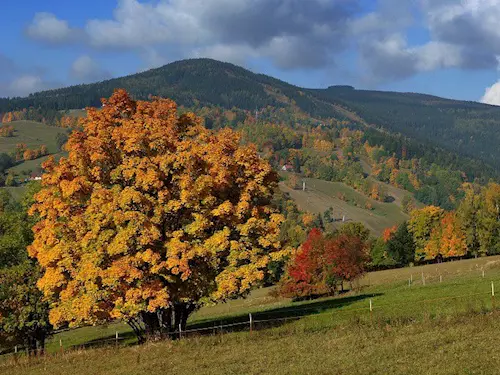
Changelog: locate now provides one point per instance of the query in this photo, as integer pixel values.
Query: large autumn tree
(151, 215)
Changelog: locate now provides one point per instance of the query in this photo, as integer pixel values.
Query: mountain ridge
(468, 128)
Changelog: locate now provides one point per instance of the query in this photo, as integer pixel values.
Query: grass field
(443, 327)
(33, 134)
(321, 195)
(17, 192)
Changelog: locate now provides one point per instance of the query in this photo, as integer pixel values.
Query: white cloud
(437, 55)
(153, 59)
(138, 24)
(303, 33)
(25, 84)
(46, 27)
(471, 25)
(293, 34)
(86, 69)
(492, 94)
(236, 54)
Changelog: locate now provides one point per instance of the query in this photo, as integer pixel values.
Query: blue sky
(443, 47)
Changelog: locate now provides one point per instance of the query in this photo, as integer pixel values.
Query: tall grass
(443, 327)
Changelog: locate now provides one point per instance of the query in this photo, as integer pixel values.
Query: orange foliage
(307, 219)
(7, 117)
(150, 209)
(453, 241)
(68, 122)
(6, 131)
(388, 233)
(322, 145)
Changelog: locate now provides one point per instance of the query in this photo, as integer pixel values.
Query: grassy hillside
(467, 128)
(321, 195)
(440, 328)
(33, 134)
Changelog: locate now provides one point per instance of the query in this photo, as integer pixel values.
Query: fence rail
(253, 320)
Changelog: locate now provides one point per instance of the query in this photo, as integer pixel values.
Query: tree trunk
(162, 323)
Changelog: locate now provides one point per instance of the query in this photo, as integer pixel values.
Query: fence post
(116, 338)
(492, 296)
(15, 349)
(440, 278)
(411, 278)
(371, 311)
(483, 273)
(251, 322)
(60, 345)
(180, 331)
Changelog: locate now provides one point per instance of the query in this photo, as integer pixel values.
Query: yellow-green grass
(461, 302)
(33, 134)
(32, 165)
(17, 192)
(321, 195)
(459, 345)
(78, 113)
(441, 328)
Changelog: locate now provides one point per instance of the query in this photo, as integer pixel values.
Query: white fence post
(492, 296)
(180, 330)
(251, 321)
(371, 311)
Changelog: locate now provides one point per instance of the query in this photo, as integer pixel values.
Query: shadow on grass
(125, 339)
(276, 317)
(261, 320)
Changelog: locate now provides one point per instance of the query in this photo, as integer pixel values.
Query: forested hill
(467, 128)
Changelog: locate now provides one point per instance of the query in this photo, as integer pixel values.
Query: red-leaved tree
(322, 264)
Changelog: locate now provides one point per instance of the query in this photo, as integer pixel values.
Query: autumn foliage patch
(150, 216)
(322, 264)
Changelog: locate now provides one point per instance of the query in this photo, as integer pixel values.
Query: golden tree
(151, 215)
(424, 224)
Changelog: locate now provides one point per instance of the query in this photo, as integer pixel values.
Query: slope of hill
(320, 196)
(33, 134)
(467, 128)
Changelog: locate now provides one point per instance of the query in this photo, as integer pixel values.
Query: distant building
(35, 177)
(287, 168)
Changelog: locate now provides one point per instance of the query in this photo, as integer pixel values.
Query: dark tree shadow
(389, 199)
(276, 317)
(125, 339)
(262, 320)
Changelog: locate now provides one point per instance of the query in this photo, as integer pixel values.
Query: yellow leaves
(307, 219)
(223, 209)
(198, 225)
(218, 242)
(147, 209)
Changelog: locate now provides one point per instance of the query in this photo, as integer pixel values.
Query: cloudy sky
(449, 48)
